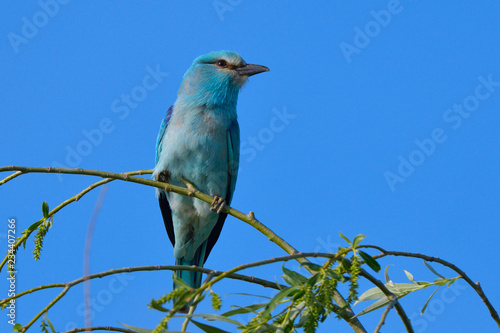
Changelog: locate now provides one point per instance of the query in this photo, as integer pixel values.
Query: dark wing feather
(233, 146)
(166, 212)
(161, 133)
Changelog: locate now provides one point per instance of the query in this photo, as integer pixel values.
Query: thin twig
(476, 286)
(100, 328)
(74, 198)
(45, 309)
(384, 316)
(246, 278)
(193, 307)
(14, 175)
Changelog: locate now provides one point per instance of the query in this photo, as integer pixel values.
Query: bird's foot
(217, 204)
(162, 177)
(189, 186)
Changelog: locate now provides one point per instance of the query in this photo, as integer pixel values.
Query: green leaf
(253, 295)
(158, 307)
(17, 327)
(293, 278)
(179, 282)
(243, 310)
(433, 270)
(45, 209)
(51, 326)
(370, 295)
(376, 305)
(453, 281)
(208, 328)
(372, 263)
(334, 275)
(423, 283)
(428, 300)
(401, 289)
(311, 266)
(213, 317)
(276, 300)
(297, 295)
(314, 279)
(409, 276)
(398, 289)
(345, 238)
(440, 282)
(35, 225)
(357, 240)
(386, 274)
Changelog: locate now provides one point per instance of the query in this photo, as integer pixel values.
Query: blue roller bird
(199, 144)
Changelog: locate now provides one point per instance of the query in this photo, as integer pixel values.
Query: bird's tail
(192, 279)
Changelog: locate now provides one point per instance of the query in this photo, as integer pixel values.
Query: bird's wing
(161, 133)
(233, 147)
(166, 212)
(234, 156)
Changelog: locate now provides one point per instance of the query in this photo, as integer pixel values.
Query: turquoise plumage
(199, 141)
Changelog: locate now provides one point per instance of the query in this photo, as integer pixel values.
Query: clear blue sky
(392, 131)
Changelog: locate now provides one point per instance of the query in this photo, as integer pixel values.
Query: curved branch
(476, 286)
(246, 278)
(14, 175)
(45, 309)
(75, 198)
(249, 219)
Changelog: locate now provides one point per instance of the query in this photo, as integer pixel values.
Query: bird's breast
(195, 148)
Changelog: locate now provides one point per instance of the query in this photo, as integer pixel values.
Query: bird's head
(216, 77)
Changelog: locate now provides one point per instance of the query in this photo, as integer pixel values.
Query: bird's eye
(221, 63)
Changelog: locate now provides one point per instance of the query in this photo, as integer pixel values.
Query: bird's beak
(250, 69)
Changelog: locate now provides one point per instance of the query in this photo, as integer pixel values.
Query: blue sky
(377, 117)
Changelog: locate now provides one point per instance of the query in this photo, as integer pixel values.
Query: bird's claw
(217, 204)
(190, 187)
(163, 176)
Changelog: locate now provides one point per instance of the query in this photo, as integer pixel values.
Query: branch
(476, 286)
(100, 328)
(249, 219)
(77, 197)
(246, 278)
(45, 309)
(14, 175)
(384, 316)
